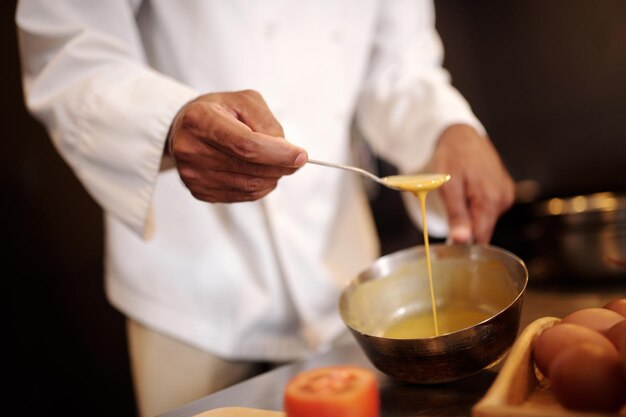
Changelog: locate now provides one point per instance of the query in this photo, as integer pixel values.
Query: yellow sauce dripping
(420, 185)
(421, 195)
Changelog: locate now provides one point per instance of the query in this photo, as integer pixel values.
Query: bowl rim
(365, 275)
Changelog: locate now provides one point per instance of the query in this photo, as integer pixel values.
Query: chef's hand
(480, 188)
(228, 147)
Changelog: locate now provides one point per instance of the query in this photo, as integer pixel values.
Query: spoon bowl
(412, 183)
(416, 183)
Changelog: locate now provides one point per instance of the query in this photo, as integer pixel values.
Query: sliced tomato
(336, 391)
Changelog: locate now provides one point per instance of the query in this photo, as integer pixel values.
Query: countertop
(401, 399)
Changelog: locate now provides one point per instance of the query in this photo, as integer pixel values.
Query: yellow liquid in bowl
(420, 325)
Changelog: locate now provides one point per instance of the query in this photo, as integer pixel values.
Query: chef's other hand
(480, 188)
(229, 147)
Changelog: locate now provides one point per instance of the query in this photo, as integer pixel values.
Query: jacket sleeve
(407, 100)
(86, 78)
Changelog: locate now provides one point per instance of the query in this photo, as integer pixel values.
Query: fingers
(214, 176)
(486, 207)
(221, 196)
(474, 208)
(459, 217)
(480, 189)
(226, 187)
(484, 217)
(229, 124)
(195, 155)
(254, 113)
(229, 147)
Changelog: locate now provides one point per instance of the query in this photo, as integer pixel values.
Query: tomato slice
(335, 391)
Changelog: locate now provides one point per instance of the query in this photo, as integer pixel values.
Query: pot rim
(580, 204)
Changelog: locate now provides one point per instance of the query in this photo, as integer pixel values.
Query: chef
(190, 124)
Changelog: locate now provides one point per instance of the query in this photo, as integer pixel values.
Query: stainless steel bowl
(484, 277)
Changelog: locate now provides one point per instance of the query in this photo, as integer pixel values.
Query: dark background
(547, 78)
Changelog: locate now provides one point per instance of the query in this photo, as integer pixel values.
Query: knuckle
(196, 195)
(193, 113)
(203, 196)
(492, 203)
(493, 198)
(252, 196)
(498, 200)
(257, 195)
(486, 202)
(251, 94)
(260, 194)
(252, 185)
(180, 155)
(510, 195)
(507, 200)
(246, 149)
(237, 165)
(277, 129)
(187, 174)
(181, 147)
(235, 197)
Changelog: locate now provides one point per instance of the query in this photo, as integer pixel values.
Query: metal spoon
(413, 183)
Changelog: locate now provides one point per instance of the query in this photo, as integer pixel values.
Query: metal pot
(575, 239)
(463, 275)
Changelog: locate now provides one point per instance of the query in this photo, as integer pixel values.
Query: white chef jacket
(257, 280)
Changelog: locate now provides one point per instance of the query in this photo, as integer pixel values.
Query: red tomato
(336, 391)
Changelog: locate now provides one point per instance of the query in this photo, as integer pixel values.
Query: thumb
(459, 217)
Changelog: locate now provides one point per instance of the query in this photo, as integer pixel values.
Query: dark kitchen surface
(546, 79)
(398, 399)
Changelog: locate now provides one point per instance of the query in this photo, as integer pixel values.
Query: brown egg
(587, 377)
(617, 336)
(557, 338)
(622, 353)
(598, 319)
(618, 305)
(616, 333)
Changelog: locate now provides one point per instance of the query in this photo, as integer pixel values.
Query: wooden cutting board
(240, 412)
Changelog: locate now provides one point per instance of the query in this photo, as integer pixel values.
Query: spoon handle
(348, 168)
